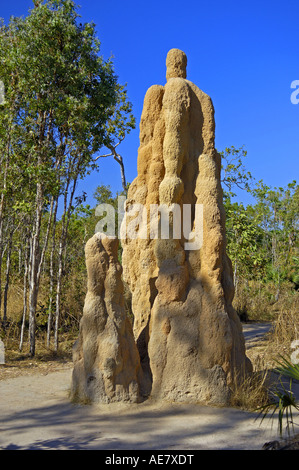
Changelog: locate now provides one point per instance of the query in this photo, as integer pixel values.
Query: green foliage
(121, 121)
(244, 240)
(262, 238)
(287, 368)
(278, 215)
(234, 173)
(60, 94)
(283, 400)
(63, 103)
(103, 195)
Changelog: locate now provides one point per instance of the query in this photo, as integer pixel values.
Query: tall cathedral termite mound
(186, 344)
(106, 360)
(189, 336)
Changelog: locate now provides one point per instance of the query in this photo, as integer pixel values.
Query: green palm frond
(287, 368)
(282, 400)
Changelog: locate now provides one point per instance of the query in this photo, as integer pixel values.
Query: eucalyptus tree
(244, 241)
(14, 180)
(65, 93)
(120, 124)
(278, 215)
(234, 174)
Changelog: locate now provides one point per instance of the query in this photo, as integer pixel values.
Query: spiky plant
(283, 400)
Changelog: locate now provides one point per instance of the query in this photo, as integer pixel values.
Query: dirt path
(37, 414)
(255, 332)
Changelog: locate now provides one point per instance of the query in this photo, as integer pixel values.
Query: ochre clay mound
(186, 344)
(188, 334)
(106, 361)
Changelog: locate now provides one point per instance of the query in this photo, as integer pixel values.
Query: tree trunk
(62, 243)
(8, 263)
(236, 277)
(119, 160)
(50, 310)
(35, 257)
(1, 258)
(25, 281)
(58, 294)
(2, 205)
(123, 177)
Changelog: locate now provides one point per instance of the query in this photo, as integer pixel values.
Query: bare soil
(36, 413)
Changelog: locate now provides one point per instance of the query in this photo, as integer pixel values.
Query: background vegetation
(63, 106)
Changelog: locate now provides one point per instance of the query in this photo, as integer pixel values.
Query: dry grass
(256, 301)
(251, 392)
(280, 339)
(10, 333)
(45, 360)
(286, 327)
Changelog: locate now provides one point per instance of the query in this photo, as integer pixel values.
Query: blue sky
(243, 54)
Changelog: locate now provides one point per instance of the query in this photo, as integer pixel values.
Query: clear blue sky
(244, 54)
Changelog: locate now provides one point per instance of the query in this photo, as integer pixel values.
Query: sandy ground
(35, 413)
